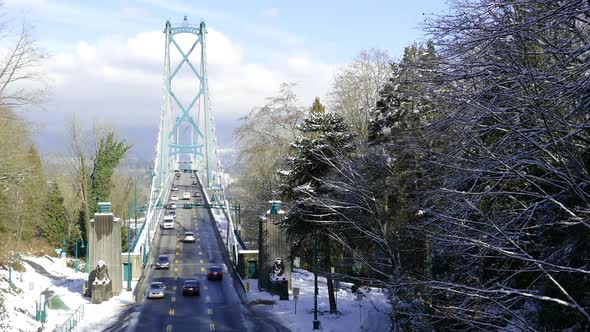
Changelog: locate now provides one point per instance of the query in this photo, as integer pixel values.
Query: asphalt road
(219, 306)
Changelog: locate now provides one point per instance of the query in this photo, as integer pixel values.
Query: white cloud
(120, 79)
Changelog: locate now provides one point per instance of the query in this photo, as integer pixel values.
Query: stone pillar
(104, 241)
(274, 253)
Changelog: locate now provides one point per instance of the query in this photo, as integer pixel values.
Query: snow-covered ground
(370, 316)
(17, 303)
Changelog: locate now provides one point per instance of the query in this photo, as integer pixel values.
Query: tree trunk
(329, 280)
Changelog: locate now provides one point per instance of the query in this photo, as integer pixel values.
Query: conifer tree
(55, 227)
(311, 158)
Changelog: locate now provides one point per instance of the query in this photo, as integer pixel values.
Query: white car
(174, 198)
(188, 237)
(172, 206)
(175, 188)
(156, 290)
(186, 195)
(168, 222)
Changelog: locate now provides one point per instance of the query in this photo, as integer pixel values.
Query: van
(168, 222)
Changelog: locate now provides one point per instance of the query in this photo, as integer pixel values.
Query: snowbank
(371, 315)
(51, 276)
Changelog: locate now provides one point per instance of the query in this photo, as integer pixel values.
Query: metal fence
(73, 321)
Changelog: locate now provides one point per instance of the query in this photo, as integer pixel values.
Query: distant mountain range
(143, 140)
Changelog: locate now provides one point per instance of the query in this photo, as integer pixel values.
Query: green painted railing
(73, 321)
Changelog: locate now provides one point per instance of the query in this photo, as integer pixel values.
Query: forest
(455, 177)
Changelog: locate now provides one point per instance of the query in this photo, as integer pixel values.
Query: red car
(215, 272)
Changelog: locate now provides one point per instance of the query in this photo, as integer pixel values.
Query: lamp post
(316, 322)
(128, 256)
(135, 209)
(87, 259)
(81, 247)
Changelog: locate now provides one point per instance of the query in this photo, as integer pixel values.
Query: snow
(17, 303)
(373, 315)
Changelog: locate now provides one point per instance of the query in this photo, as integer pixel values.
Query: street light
(316, 322)
(128, 256)
(82, 247)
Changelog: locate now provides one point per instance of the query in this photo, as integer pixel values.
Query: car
(172, 213)
(190, 287)
(156, 290)
(172, 206)
(174, 188)
(174, 198)
(195, 182)
(192, 175)
(188, 237)
(186, 195)
(198, 201)
(178, 176)
(168, 222)
(163, 262)
(197, 194)
(215, 272)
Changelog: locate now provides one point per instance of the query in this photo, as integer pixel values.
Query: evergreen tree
(108, 155)
(55, 227)
(311, 159)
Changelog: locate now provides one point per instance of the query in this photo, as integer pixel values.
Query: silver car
(156, 290)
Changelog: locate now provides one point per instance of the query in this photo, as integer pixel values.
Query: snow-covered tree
(356, 88)
(263, 140)
(311, 159)
(509, 221)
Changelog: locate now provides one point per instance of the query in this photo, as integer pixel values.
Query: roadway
(219, 306)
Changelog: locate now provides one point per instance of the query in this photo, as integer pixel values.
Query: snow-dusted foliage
(509, 219)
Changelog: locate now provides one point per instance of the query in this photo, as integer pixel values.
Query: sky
(106, 57)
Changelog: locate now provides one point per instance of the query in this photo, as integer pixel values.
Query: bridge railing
(232, 245)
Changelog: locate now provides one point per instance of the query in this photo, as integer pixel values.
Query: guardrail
(73, 321)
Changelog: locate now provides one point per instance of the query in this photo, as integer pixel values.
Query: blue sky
(106, 56)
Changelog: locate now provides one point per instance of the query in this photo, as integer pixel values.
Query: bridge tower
(186, 131)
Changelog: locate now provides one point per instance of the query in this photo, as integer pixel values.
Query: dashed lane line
(169, 328)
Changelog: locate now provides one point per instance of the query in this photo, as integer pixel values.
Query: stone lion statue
(102, 274)
(278, 269)
(102, 288)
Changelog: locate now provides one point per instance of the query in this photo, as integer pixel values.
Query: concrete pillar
(105, 245)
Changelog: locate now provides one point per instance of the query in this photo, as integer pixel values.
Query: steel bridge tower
(186, 129)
